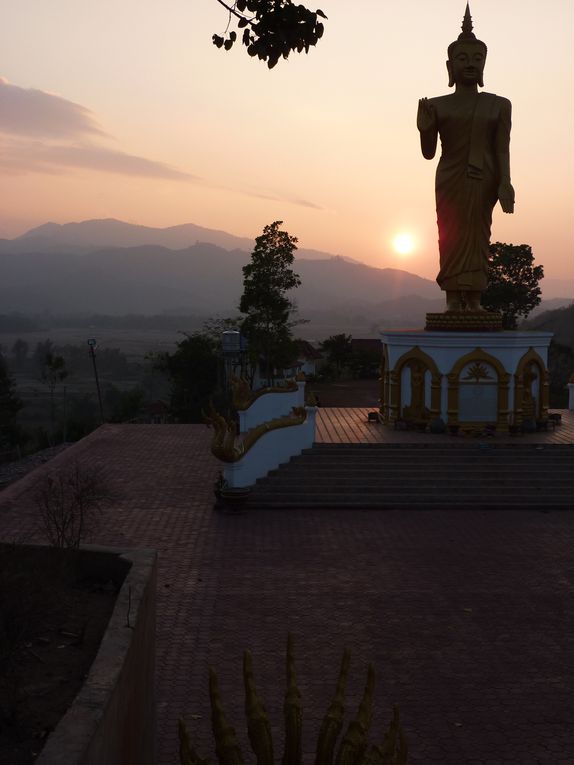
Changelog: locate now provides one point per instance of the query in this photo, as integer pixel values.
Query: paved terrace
(467, 616)
(349, 425)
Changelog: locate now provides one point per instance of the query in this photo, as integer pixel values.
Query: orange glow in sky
(125, 109)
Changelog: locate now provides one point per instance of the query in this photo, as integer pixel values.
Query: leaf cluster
(193, 374)
(512, 282)
(10, 405)
(272, 28)
(338, 350)
(269, 275)
(561, 368)
(266, 279)
(53, 370)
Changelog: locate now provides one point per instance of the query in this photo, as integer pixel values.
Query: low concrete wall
(271, 450)
(112, 719)
(271, 405)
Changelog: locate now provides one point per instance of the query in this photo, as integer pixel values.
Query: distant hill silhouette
(89, 235)
(71, 269)
(560, 321)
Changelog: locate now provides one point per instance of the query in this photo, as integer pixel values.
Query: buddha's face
(466, 64)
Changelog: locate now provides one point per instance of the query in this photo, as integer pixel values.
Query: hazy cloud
(26, 111)
(48, 134)
(305, 203)
(281, 198)
(38, 156)
(45, 133)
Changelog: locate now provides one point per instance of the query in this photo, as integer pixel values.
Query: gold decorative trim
(384, 384)
(529, 358)
(464, 321)
(415, 354)
(477, 372)
(478, 356)
(311, 398)
(241, 392)
(224, 445)
(354, 747)
(243, 397)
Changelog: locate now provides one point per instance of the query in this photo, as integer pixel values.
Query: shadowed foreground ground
(467, 616)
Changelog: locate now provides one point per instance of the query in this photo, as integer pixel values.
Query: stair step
(402, 496)
(405, 476)
(409, 504)
(283, 484)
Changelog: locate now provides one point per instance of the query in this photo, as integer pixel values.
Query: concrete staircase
(461, 475)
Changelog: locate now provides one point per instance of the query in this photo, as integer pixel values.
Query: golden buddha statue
(473, 172)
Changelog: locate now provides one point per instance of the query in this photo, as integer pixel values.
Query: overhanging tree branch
(274, 28)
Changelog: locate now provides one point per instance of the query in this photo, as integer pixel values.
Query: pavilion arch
(531, 359)
(384, 381)
(415, 354)
(503, 380)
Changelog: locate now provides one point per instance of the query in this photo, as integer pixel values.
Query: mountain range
(89, 235)
(113, 267)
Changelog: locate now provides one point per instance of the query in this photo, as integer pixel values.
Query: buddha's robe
(473, 136)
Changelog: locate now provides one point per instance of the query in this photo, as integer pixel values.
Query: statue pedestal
(468, 379)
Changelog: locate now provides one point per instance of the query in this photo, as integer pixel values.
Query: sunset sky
(125, 109)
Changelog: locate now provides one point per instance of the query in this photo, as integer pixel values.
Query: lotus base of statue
(464, 321)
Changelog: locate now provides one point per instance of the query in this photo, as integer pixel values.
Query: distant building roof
(156, 408)
(366, 345)
(306, 350)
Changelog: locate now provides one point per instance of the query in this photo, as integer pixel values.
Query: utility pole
(92, 344)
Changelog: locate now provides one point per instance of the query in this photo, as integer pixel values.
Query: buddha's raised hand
(426, 115)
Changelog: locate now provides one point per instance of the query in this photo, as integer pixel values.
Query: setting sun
(403, 244)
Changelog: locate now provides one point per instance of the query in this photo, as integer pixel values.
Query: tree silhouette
(192, 370)
(53, 372)
(271, 28)
(512, 282)
(20, 353)
(338, 349)
(10, 405)
(266, 279)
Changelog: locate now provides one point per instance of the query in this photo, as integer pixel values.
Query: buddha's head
(466, 56)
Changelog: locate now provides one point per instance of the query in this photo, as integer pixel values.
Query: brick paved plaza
(467, 616)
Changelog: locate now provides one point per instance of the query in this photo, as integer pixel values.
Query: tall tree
(561, 369)
(193, 374)
(10, 405)
(271, 28)
(266, 280)
(53, 373)
(338, 349)
(20, 353)
(42, 349)
(512, 282)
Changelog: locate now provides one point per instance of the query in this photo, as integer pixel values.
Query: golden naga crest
(243, 396)
(241, 392)
(224, 445)
(353, 746)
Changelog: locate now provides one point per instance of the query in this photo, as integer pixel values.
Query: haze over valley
(108, 267)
